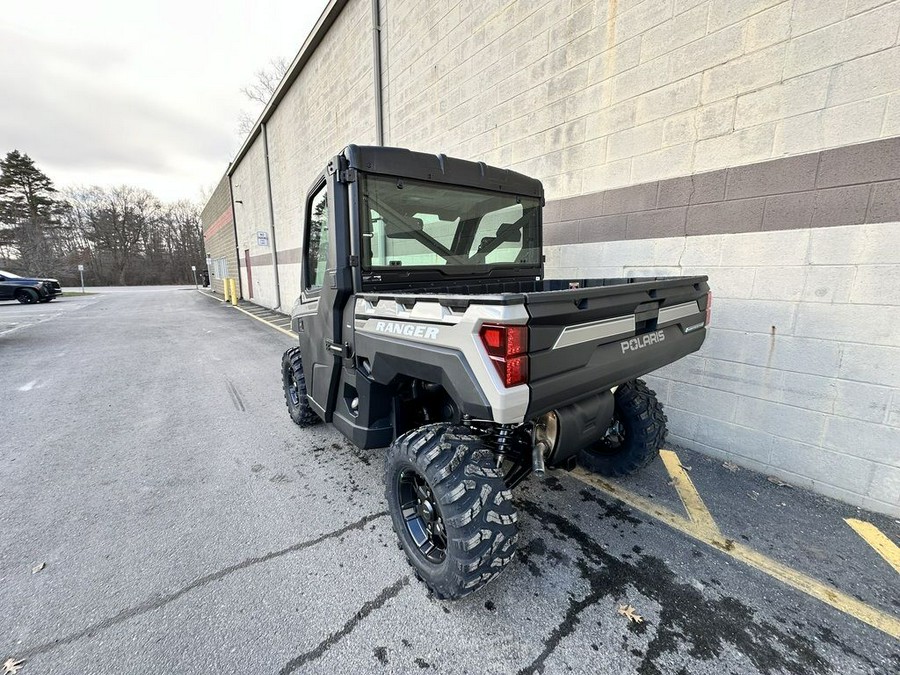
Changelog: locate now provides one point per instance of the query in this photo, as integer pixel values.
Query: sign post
(194, 270)
(81, 274)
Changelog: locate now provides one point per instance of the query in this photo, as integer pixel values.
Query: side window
(317, 251)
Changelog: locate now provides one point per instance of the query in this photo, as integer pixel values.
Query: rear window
(407, 223)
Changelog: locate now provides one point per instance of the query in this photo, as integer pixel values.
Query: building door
(249, 273)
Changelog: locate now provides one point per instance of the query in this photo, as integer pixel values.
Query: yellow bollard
(234, 297)
(225, 289)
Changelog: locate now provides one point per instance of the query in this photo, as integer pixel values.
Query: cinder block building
(756, 141)
(217, 218)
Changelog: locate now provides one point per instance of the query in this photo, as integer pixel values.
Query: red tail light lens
(507, 347)
(708, 306)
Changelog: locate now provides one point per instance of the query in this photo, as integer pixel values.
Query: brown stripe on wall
(285, 257)
(845, 186)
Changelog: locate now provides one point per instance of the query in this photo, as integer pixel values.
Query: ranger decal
(408, 329)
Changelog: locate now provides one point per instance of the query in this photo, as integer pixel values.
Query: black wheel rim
(293, 389)
(422, 516)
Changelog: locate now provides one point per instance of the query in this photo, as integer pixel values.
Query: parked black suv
(27, 290)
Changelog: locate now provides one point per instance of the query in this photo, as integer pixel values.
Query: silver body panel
(420, 320)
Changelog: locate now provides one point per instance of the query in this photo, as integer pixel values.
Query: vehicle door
(323, 291)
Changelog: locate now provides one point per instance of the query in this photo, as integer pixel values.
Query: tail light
(507, 347)
(708, 306)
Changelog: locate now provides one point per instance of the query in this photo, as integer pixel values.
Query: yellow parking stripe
(877, 540)
(814, 588)
(693, 504)
(268, 323)
(210, 295)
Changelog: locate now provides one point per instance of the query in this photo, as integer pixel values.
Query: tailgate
(607, 331)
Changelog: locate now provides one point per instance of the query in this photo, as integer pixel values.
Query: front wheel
(295, 395)
(450, 508)
(27, 296)
(635, 435)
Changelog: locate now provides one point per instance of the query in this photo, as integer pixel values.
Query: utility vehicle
(425, 324)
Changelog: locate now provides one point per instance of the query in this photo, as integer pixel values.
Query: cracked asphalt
(187, 526)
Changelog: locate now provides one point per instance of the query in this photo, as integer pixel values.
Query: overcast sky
(144, 92)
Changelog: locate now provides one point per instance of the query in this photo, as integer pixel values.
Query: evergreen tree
(29, 212)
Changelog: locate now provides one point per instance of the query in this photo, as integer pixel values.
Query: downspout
(376, 69)
(265, 136)
(237, 246)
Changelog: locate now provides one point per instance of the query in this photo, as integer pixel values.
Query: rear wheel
(295, 395)
(450, 508)
(27, 296)
(634, 437)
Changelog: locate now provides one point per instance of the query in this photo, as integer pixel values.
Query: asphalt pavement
(161, 513)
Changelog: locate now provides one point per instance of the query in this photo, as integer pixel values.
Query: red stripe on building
(220, 222)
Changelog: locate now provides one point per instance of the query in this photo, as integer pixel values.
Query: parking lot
(160, 512)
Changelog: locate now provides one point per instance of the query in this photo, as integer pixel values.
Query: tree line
(122, 235)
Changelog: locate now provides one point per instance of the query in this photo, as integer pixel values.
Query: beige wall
(589, 96)
(330, 106)
(800, 373)
(251, 215)
(217, 219)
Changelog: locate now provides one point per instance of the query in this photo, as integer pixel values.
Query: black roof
(440, 168)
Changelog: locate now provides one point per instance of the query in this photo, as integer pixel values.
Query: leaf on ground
(730, 466)
(11, 667)
(37, 568)
(630, 613)
(777, 481)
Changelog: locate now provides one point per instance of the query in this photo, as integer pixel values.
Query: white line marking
(29, 386)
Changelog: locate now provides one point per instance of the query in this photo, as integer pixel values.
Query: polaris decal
(642, 341)
(408, 329)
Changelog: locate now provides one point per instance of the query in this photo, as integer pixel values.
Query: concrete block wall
(217, 219)
(331, 105)
(590, 96)
(251, 215)
(800, 373)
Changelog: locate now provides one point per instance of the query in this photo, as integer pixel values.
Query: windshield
(9, 275)
(408, 223)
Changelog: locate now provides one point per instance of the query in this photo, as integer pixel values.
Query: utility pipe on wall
(376, 69)
(272, 243)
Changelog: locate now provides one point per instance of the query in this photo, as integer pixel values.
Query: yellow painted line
(693, 504)
(842, 602)
(210, 295)
(268, 323)
(877, 540)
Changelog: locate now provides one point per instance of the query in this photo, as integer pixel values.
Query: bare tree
(260, 90)
(122, 235)
(266, 81)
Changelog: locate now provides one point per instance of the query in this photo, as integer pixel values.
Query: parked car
(27, 290)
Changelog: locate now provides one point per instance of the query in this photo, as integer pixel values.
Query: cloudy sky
(144, 92)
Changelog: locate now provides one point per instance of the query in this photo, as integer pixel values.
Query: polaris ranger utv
(426, 325)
